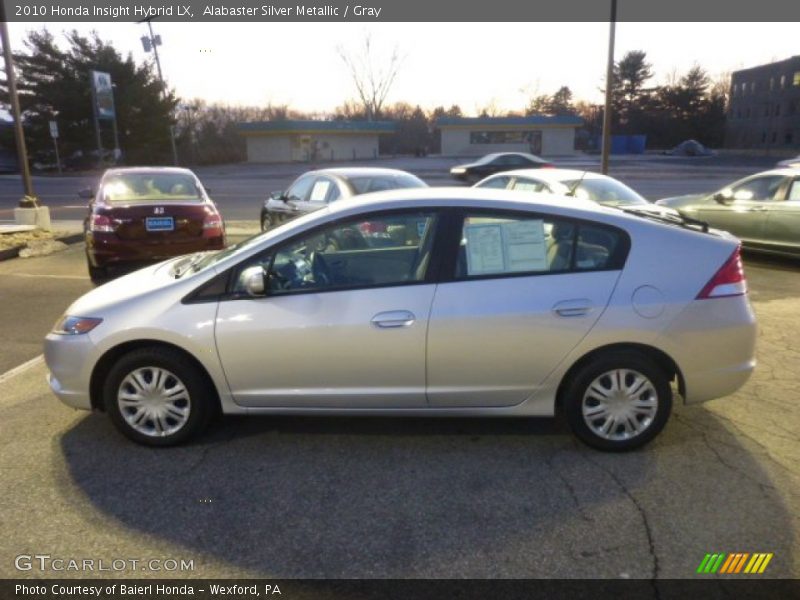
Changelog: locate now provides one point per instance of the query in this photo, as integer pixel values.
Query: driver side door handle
(393, 319)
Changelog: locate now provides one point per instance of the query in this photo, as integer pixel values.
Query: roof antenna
(574, 187)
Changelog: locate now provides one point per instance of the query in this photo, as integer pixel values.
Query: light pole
(609, 83)
(29, 200)
(151, 42)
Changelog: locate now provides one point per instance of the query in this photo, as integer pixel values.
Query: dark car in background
(147, 214)
(497, 162)
(316, 189)
(762, 210)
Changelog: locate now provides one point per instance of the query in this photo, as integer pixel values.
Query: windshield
(378, 183)
(608, 192)
(150, 187)
(206, 259)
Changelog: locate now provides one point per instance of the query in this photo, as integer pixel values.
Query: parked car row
(139, 215)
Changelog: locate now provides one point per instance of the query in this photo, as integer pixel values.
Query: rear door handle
(573, 308)
(393, 319)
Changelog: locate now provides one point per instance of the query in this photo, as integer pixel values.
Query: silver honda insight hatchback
(440, 302)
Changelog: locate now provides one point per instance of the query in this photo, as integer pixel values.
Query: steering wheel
(280, 280)
(319, 268)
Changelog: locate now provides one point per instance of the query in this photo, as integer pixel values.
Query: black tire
(579, 386)
(267, 222)
(98, 275)
(202, 402)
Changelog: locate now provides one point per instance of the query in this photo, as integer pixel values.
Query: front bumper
(70, 359)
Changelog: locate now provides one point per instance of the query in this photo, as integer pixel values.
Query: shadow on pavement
(364, 497)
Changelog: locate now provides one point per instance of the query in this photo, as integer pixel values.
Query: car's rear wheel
(158, 397)
(618, 402)
(97, 274)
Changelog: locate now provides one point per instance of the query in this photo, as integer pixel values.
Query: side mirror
(279, 195)
(86, 193)
(253, 281)
(723, 197)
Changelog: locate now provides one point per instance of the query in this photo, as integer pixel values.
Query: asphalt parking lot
(347, 497)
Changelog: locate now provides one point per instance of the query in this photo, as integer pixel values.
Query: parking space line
(46, 275)
(21, 368)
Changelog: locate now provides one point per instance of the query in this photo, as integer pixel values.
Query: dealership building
(309, 141)
(541, 135)
(764, 107)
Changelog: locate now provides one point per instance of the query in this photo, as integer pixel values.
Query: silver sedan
(441, 302)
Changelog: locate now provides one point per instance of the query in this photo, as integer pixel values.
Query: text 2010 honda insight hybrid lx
(421, 302)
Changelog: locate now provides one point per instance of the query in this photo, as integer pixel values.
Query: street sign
(53, 130)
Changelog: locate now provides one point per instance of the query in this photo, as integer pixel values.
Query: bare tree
(372, 82)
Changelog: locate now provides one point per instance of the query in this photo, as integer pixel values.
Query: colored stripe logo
(736, 563)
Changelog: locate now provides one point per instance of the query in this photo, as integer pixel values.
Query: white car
(437, 301)
(585, 185)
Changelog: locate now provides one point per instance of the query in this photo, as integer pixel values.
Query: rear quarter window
(495, 244)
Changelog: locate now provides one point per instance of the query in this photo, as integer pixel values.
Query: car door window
(758, 189)
(334, 193)
(380, 250)
(497, 245)
(529, 185)
(300, 189)
(320, 190)
(794, 191)
(496, 183)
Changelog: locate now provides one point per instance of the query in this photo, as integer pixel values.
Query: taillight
(728, 281)
(548, 166)
(212, 226)
(101, 223)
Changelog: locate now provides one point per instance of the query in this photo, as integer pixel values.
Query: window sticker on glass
(320, 191)
(524, 246)
(509, 247)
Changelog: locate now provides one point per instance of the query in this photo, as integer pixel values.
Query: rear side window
(499, 183)
(794, 191)
(497, 245)
(529, 185)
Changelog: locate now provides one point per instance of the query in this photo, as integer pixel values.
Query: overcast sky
(470, 64)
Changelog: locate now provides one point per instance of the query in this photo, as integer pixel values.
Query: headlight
(458, 170)
(67, 325)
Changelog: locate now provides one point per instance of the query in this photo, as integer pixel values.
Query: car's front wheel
(618, 402)
(267, 222)
(158, 397)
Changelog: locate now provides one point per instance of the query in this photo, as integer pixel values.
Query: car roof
(123, 170)
(551, 174)
(349, 172)
(784, 171)
(473, 198)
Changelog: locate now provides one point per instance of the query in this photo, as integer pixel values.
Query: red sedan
(148, 214)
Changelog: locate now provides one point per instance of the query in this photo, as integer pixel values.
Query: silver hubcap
(154, 401)
(620, 404)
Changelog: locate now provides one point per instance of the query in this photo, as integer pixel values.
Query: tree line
(54, 85)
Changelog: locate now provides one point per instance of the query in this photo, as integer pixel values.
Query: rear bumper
(107, 249)
(713, 342)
